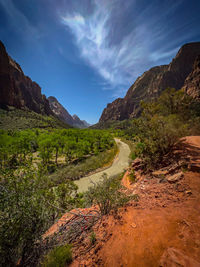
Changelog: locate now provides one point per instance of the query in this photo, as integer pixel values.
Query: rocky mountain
(60, 111)
(80, 123)
(86, 124)
(152, 82)
(64, 115)
(18, 90)
(192, 82)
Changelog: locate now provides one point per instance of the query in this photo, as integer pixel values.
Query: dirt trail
(120, 163)
(162, 229)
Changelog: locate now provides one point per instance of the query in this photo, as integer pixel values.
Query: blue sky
(87, 53)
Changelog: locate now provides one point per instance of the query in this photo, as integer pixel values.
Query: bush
(27, 210)
(132, 176)
(107, 195)
(59, 257)
(157, 136)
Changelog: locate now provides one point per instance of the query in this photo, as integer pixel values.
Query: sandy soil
(120, 163)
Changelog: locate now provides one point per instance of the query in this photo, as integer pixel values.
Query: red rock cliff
(18, 90)
(152, 83)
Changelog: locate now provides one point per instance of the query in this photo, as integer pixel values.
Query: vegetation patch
(83, 168)
(132, 176)
(59, 257)
(46, 147)
(107, 194)
(163, 121)
(30, 201)
(93, 238)
(19, 119)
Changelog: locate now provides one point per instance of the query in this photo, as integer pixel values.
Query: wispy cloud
(19, 21)
(120, 62)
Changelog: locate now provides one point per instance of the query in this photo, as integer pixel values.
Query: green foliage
(28, 206)
(58, 257)
(162, 122)
(132, 176)
(18, 119)
(93, 238)
(107, 195)
(82, 168)
(158, 135)
(73, 144)
(30, 199)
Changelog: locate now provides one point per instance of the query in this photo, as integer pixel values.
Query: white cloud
(120, 63)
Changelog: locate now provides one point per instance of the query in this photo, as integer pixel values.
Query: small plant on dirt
(132, 176)
(133, 156)
(93, 238)
(58, 257)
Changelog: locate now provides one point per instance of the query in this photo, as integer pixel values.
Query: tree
(45, 148)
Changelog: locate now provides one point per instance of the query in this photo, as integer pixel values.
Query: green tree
(45, 148)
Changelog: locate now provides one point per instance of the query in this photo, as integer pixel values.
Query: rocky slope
(153, 82)
(192, 83)
(18, 90)
(64, 115)
(80, 123)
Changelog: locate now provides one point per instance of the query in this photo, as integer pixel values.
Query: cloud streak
(119, 56)
(19, 21)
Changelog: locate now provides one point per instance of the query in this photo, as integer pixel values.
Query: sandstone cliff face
(152, 83)
(192, 82)
(64, 115)
(18, 90)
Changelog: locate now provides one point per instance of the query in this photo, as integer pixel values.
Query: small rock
(175, 178)
(189, 192)
(133, 225)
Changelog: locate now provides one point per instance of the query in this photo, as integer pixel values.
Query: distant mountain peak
(76, 116)
(64, 115)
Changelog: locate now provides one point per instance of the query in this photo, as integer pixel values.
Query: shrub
(107, 195)
(158, 135)
(27, 209)
(58, 257)
(132, 176)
